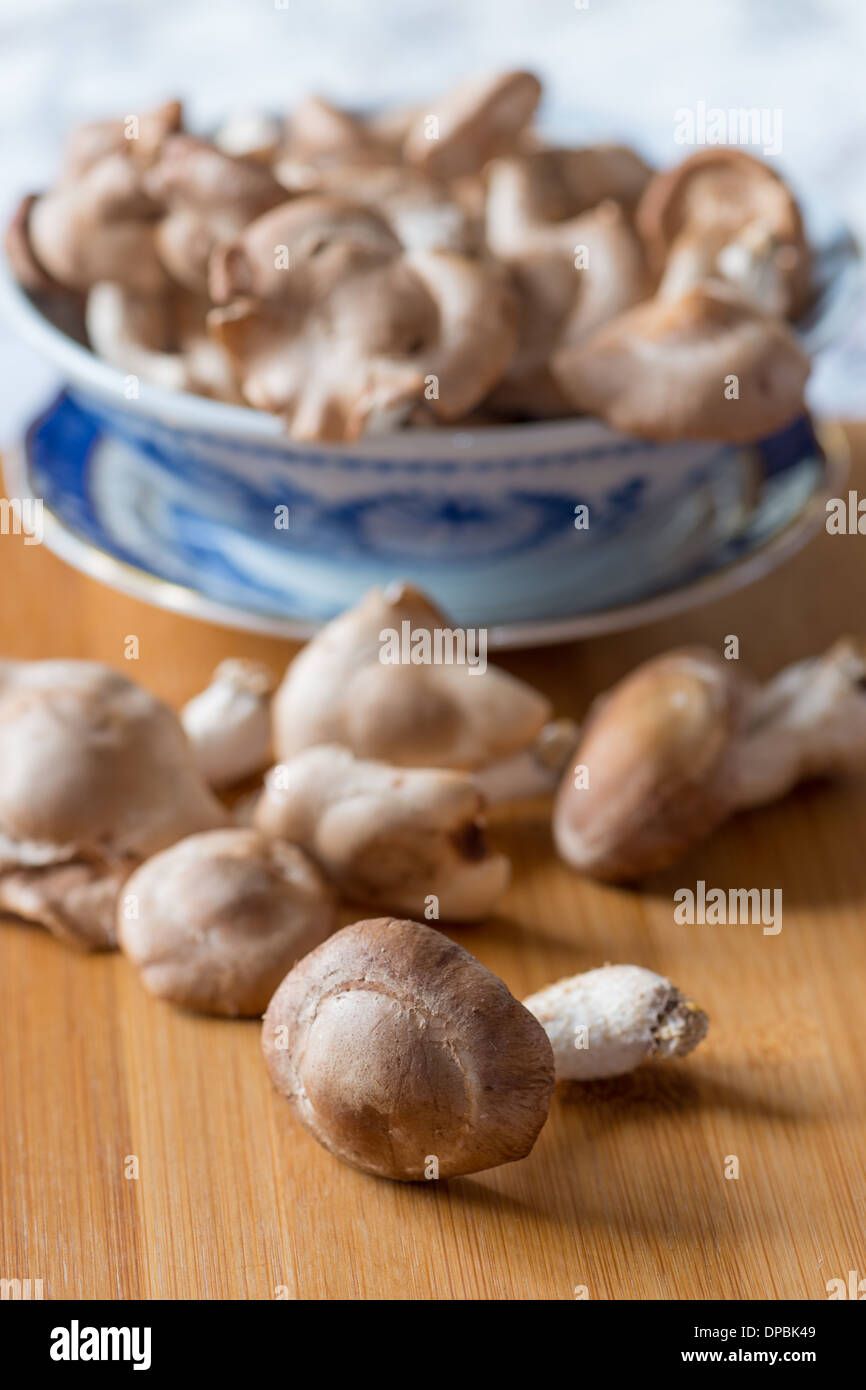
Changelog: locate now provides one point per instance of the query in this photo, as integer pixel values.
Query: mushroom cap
(97, 775)
(661, 370)
(338, 690)
(101, 226)
(480, 118)
(395, 1045)
(660, 754)
(220, 917)
(388, 837)
(710, 199)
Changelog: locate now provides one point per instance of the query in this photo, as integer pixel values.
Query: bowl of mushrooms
(308, 355)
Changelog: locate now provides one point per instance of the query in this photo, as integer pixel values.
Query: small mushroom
(210, 197)
(686, 740)
(808, 721)
(482, 117)
(400, 839)
(705, 366)
(607, 1022)
(229, 724)
(97, 775)
(404, 1057)
(340, 688)
(214, 922)
(724, 214)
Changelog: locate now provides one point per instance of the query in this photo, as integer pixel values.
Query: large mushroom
(97, 775)
(722, 214)
(704, 366)
(398, 839)
(344, 688)
(405, 1057)
(686, 740)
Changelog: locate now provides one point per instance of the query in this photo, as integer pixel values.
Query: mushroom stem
(534, 771)
(607, 1022)
(808, 721)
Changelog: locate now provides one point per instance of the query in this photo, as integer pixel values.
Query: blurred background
(612, 68)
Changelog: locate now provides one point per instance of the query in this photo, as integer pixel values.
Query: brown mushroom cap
(337, 690)
(660, 755)
(480, 118)
(662, 370)
(97, 775)
(100, 226)
(220, 917)
(395, 1046)
(710, 201)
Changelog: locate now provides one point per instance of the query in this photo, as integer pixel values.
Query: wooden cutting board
(625, 1194)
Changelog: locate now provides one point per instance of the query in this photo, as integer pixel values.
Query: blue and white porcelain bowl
(199, 493)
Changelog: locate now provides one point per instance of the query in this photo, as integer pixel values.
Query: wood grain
(625, 1191)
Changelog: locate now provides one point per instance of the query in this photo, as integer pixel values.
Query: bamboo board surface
(625, 1192)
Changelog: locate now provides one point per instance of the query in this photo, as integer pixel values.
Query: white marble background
(612, 67)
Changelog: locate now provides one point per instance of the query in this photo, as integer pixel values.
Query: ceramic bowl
(488, 521)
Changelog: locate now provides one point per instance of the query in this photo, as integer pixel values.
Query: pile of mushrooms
(361, 274)
(396, 1048)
